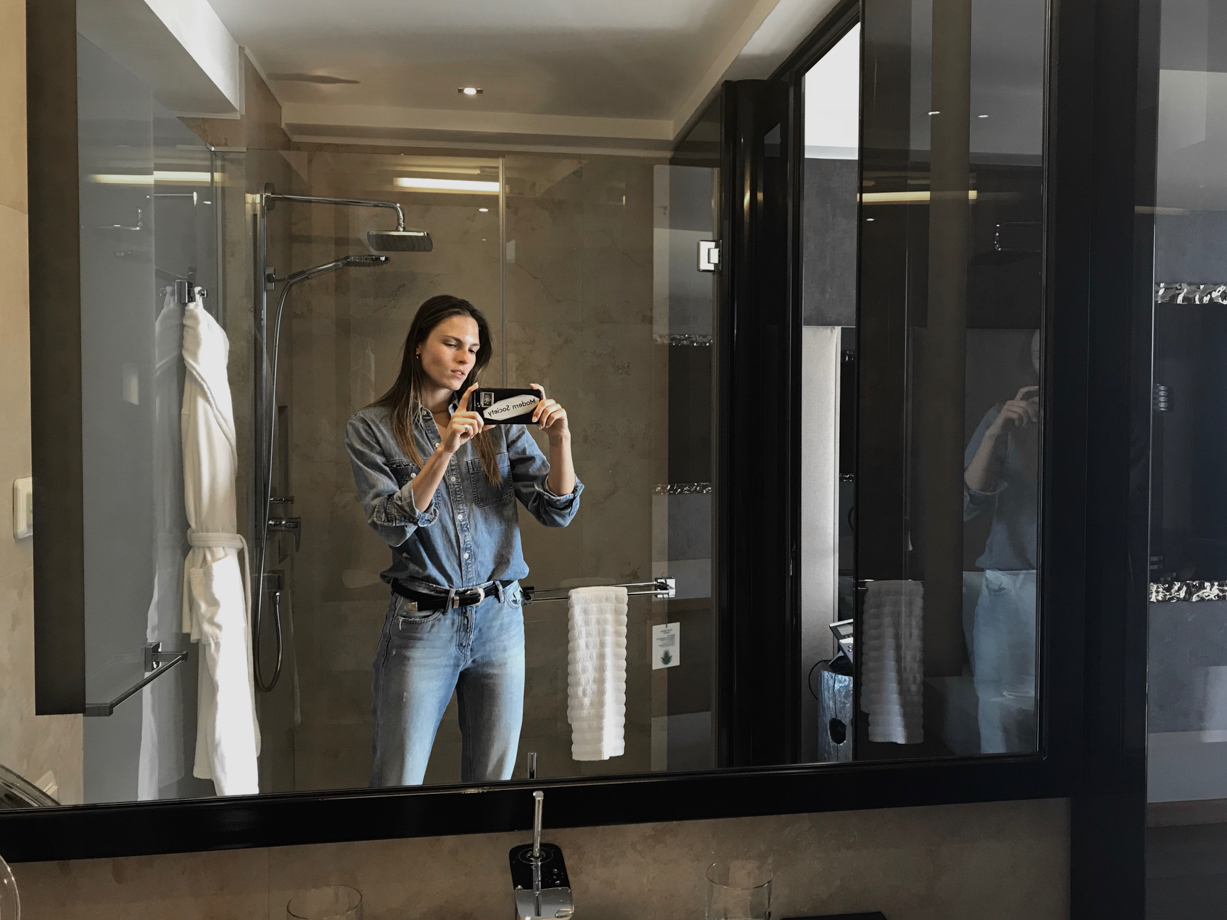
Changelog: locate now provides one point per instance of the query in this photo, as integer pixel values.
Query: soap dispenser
(539, 876)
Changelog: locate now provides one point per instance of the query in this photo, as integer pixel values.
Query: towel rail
(157, 663)
(663, 587)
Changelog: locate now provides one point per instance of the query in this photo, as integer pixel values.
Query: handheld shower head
(399, 241)
(344, 262)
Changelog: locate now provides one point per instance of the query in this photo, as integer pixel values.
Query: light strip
(176, 177)
(911, 197)
(448, 185)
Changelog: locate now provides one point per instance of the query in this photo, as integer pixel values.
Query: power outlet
(23, 508)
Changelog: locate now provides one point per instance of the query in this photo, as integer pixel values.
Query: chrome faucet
(539, 876)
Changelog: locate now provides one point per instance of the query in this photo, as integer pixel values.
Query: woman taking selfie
(440, 487)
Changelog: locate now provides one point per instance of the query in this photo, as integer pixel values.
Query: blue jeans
(422, 657)
(1003, 661)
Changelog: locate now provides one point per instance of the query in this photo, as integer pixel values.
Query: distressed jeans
(477, 651)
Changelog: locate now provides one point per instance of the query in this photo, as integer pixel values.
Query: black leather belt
(469, 597)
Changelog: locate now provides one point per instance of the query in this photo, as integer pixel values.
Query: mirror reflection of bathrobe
(1001, 637)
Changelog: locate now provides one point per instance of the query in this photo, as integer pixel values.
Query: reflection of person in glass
(441, 487)
(1000, 478)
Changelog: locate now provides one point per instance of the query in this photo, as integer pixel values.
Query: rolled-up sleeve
(389, 506)
(975, 502)
(529, 472)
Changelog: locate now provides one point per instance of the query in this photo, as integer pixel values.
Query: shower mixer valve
(290, 525)
(539, 876)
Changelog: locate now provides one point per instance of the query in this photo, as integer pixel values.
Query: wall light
(469, 90)
(159, 175)
(448, 185)
(908, 197)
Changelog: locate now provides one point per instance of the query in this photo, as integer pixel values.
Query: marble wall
(578, 300)
(31, 745)
(1002, 859)
(580, 323)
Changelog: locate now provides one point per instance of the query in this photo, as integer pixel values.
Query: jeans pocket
(404, 616)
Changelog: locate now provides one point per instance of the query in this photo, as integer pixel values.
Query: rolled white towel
(596, 672)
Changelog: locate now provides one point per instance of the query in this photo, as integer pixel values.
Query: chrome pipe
(344, 202)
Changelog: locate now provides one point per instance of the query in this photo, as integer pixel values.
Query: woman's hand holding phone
(550, 417)
(464, 425)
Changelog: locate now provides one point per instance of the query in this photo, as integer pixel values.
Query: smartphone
(505, 405)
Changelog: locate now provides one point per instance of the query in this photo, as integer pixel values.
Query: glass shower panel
(340, 350)
(146, 221)
(115, 118)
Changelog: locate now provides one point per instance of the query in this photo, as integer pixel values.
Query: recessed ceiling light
(469, 90)
(483, 210)
(935, 112)
(981, 116)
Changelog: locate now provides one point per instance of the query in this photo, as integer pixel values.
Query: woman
(1001, 479)
(440, 487)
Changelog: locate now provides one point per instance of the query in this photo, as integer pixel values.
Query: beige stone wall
(1003, 860)
(29, 744)
(579, 322)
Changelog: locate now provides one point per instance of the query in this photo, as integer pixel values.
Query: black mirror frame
(1090, 531)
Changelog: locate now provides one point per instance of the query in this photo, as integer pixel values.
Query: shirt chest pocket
(403, 471)
(485, 492)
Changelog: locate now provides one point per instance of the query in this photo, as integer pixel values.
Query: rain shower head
(399, 241)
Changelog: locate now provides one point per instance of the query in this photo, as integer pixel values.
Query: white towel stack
(892, 661)
(596, 672)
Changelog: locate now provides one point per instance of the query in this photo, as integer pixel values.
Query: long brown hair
(404, 399)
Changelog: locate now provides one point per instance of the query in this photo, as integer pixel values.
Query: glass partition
(950, 351)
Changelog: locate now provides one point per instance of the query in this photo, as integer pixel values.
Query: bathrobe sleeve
(387, 502)
(529, 470)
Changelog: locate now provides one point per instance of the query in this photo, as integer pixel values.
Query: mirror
(273, 602)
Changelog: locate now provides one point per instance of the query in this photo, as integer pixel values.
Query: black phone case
(505, 405)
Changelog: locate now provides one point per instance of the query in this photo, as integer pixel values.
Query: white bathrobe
(216, 594)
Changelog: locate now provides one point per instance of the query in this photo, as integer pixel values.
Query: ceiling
(623, 74)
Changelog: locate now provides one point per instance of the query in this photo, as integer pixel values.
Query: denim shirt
(1014, 502)
(470, 532)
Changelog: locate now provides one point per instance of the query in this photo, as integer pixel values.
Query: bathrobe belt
(219, 540)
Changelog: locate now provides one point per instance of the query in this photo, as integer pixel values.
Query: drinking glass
(334, 902)
(738, 889)
(10, 904)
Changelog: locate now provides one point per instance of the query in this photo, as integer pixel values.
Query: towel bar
(157, 662)
(660, 587)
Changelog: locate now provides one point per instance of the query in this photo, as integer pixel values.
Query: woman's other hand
(551, 417)
(1019, 412)
(463, 426)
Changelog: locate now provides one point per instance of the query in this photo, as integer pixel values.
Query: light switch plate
(23, 508)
